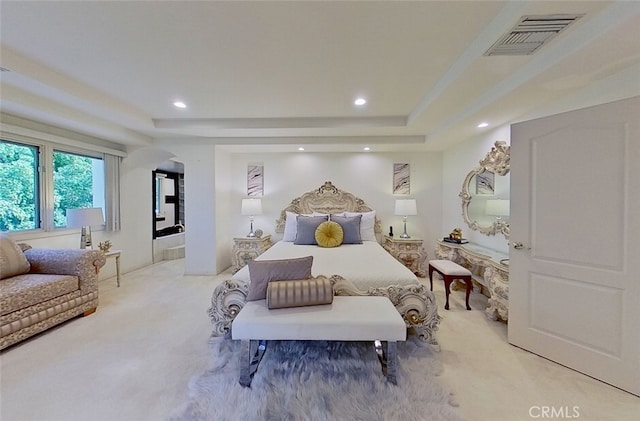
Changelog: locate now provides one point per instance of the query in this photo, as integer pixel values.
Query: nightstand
(407, 251)
(246, 249)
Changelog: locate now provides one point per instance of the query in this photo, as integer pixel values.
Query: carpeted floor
(133, 360)
(319, 380)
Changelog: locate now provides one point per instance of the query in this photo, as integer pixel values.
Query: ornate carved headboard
(326, 199)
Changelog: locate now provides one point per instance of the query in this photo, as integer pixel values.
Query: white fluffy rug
(316, 380)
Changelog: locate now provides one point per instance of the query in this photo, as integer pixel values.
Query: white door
(574, 282)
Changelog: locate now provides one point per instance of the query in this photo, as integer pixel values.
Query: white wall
(457, 162)
(224, 209)
(367, 175)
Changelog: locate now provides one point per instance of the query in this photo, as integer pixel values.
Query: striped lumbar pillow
(298, 293)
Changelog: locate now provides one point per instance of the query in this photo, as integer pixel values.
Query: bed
(354, 269)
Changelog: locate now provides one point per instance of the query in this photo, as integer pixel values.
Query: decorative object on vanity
(246, 249)
(251, 207)
(391, 231)
(456, 234)
(84, 218)
(488, 272)
(300, 378)
(455, 237)
(258, 233)
(408, 251)
(404, 208)
(105, 246)
(401, 178)
(485, 197)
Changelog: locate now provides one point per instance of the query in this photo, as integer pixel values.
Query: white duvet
(366, 265)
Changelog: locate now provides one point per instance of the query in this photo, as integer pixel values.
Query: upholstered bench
(348, 318)
(450, 271)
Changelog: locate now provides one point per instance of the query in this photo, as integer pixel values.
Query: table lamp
(251, 207)
(84, 218)
(497, 208)
(405, 207)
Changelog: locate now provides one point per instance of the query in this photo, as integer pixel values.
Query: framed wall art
(485, 183)
(255, 180)
(401, 178)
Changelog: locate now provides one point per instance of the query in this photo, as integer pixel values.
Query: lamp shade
(497, 207)
(251, 207)
(84, 217)
(406, 207)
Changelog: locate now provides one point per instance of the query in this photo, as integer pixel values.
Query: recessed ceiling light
(301, 148)
(179, 104)
(483, 124)
(366, 148)
(360, 102)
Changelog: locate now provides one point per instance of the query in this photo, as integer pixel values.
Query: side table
(246, 249)
(407, 251)
(116, 254)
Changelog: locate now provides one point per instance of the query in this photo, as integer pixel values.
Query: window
(78, 182)
(39, 182)
(19, 186)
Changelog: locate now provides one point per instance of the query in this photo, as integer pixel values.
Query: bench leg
(431, 277)
(250, 360)
(392, 362)
(447, 289)
(469, 288)
(388, 356)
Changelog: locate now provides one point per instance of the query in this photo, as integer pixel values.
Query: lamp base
(404, 234)
(251, 233)
(85, 238)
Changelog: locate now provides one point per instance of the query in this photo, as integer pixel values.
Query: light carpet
(319, 380)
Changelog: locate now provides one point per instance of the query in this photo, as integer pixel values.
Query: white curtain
(112, 178)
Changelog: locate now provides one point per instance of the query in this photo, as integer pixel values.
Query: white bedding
(366, 265)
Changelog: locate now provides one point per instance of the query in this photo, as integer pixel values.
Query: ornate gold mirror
(485, 193)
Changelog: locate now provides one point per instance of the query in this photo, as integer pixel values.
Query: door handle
(519, 246)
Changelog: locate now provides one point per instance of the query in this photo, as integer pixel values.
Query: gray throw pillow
(306, 229)
(350, 228)
(263, 271)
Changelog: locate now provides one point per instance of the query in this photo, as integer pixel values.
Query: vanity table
(490, 269)
(485, 209)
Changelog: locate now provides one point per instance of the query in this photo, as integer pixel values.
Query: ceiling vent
(530, 33)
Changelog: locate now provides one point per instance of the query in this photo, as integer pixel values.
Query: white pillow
(290, 227)
(367, 225)
(291, 224)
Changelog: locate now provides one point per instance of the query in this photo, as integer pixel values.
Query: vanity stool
(450, 271)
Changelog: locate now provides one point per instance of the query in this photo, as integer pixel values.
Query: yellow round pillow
(329, 234)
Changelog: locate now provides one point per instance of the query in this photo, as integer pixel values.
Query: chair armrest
(84, 264)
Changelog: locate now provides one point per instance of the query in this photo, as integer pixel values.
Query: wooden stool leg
(430, 277)
(447, 288)
(469, 288)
